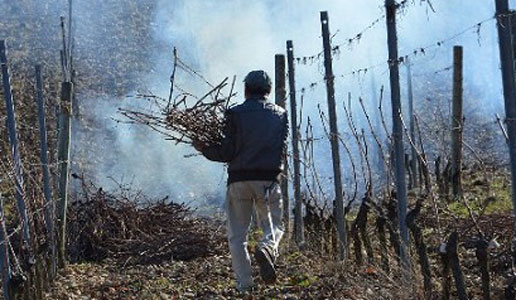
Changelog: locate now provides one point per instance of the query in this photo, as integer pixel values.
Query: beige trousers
(242, 197)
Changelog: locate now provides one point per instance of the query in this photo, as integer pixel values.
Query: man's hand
(198, 145)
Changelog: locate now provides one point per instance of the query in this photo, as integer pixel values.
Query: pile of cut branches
(183, 122)
(105, 225)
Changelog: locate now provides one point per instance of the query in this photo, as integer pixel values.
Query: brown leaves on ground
(301, 276)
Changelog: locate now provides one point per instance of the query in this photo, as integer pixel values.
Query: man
(254, 144)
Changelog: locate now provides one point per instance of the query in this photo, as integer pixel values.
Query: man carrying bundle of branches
(253, 146)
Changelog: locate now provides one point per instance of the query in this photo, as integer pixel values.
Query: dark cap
(258, 80)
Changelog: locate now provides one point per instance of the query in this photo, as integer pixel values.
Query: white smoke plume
(232, 37)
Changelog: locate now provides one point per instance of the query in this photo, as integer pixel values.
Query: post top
(290, 46)
(502, 6)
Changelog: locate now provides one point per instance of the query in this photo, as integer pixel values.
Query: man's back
(255, 141)
(260, 133)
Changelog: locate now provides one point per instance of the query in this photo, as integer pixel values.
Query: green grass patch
(294, 256)
(502, 194)
(302, 280)
(498, 201)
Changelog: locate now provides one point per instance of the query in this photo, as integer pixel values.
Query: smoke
(226, 38)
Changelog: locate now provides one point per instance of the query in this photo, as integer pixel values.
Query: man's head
(257, 83)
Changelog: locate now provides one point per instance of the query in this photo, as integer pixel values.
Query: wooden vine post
(281, 97)
(397, 131)
(49, 210)
(334, 136)
(15, 153)
(509, 91)
(5, 266)
(457, 123)
(63, 155)
(298, 212)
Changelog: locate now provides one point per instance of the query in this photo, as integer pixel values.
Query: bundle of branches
(183, 122)
(105, 225)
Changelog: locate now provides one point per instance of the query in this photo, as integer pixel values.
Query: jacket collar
(257, 98)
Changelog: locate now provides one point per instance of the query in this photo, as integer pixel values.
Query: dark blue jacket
(254, 143)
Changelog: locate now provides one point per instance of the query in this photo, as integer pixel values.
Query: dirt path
(301, 276)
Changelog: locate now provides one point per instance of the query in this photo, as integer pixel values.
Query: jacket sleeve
(225, 151)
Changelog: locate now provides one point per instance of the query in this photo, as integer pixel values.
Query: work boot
(246, 288)
(266, 263)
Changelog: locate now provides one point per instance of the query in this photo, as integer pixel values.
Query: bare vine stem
(324, 121)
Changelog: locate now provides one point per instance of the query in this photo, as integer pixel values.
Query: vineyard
(399, 173)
